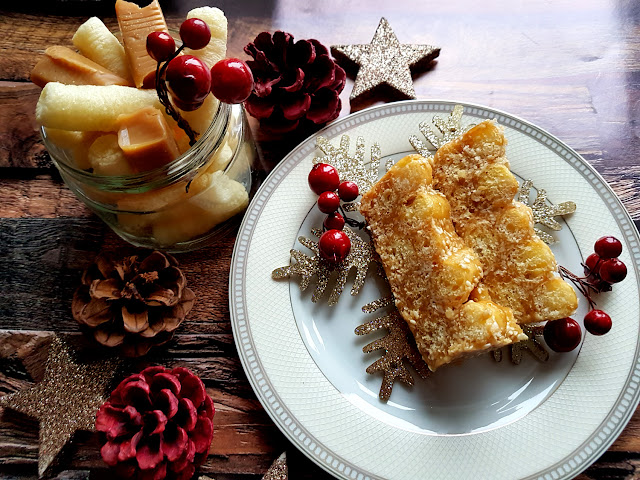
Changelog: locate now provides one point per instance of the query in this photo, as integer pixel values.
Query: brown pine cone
(132, 303)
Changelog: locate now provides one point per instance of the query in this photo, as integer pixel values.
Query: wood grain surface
(571, 67)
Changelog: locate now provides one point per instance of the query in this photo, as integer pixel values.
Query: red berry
(328, 202)
(348, 191)
(334, 246)
(597, 322)
(562, 335)
(231, 80)
(188, 79)
(160, 46)
(608, 247)
(323, 178)
(195, 33)
(593, 267)
(613, 270)
(334, 221)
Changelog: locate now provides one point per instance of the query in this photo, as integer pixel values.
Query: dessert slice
(432, 274)
(519, 269)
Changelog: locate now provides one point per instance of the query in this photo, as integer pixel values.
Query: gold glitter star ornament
(278, 470)
(385, 62)
(66, 400)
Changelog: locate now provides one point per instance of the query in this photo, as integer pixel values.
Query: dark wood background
(571, 67)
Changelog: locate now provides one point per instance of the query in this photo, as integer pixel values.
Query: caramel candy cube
(135, 24)
(61, 64)
(146, 140)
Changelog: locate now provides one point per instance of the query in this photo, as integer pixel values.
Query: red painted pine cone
(293, 82)
(158, 424)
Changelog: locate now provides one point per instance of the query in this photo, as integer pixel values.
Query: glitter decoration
(385, 62)
(278, 469)
(378, 304)
(66, 400)
(360, 257)
(398, 346)
(351, 207)
(543, 212)
(439, 132)
(532, 345)
(351, 167)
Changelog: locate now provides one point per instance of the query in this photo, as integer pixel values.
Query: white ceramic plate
(480, 419)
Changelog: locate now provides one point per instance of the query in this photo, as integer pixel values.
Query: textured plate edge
(574, 463)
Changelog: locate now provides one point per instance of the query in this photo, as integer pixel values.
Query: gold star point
(66, 400)
(385, 61)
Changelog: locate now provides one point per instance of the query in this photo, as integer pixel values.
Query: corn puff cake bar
(519, 269)
(433, 275)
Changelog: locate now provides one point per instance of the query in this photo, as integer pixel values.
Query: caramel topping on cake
(433, 275)
(519, 269)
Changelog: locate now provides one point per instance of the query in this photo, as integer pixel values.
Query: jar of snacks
(179, 206)
(151, 136)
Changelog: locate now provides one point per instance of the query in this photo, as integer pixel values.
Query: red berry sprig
(324, 180)
(188, 80)
(602, 269)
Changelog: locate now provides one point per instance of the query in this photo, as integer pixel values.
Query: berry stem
(581, 283)
(163, 96)
(350, 221)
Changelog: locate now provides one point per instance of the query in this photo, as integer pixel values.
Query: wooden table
(572, 67)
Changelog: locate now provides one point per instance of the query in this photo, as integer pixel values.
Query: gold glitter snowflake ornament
(306, 267)
(384, 62)
(532, 345)
(543, 212)
(354, 167)
(398, 346)
(438, 131)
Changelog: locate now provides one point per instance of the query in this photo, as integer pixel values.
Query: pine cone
(131, 303)
(293, 82)
(158, 424)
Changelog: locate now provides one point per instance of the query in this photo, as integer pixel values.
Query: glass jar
(181, 206)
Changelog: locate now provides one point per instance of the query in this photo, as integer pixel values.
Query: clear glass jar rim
(160, 177)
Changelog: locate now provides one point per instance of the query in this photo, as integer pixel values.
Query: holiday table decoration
(133, 301)
(385, 62)
(295, 82)
(157, 424)
(66, 399)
